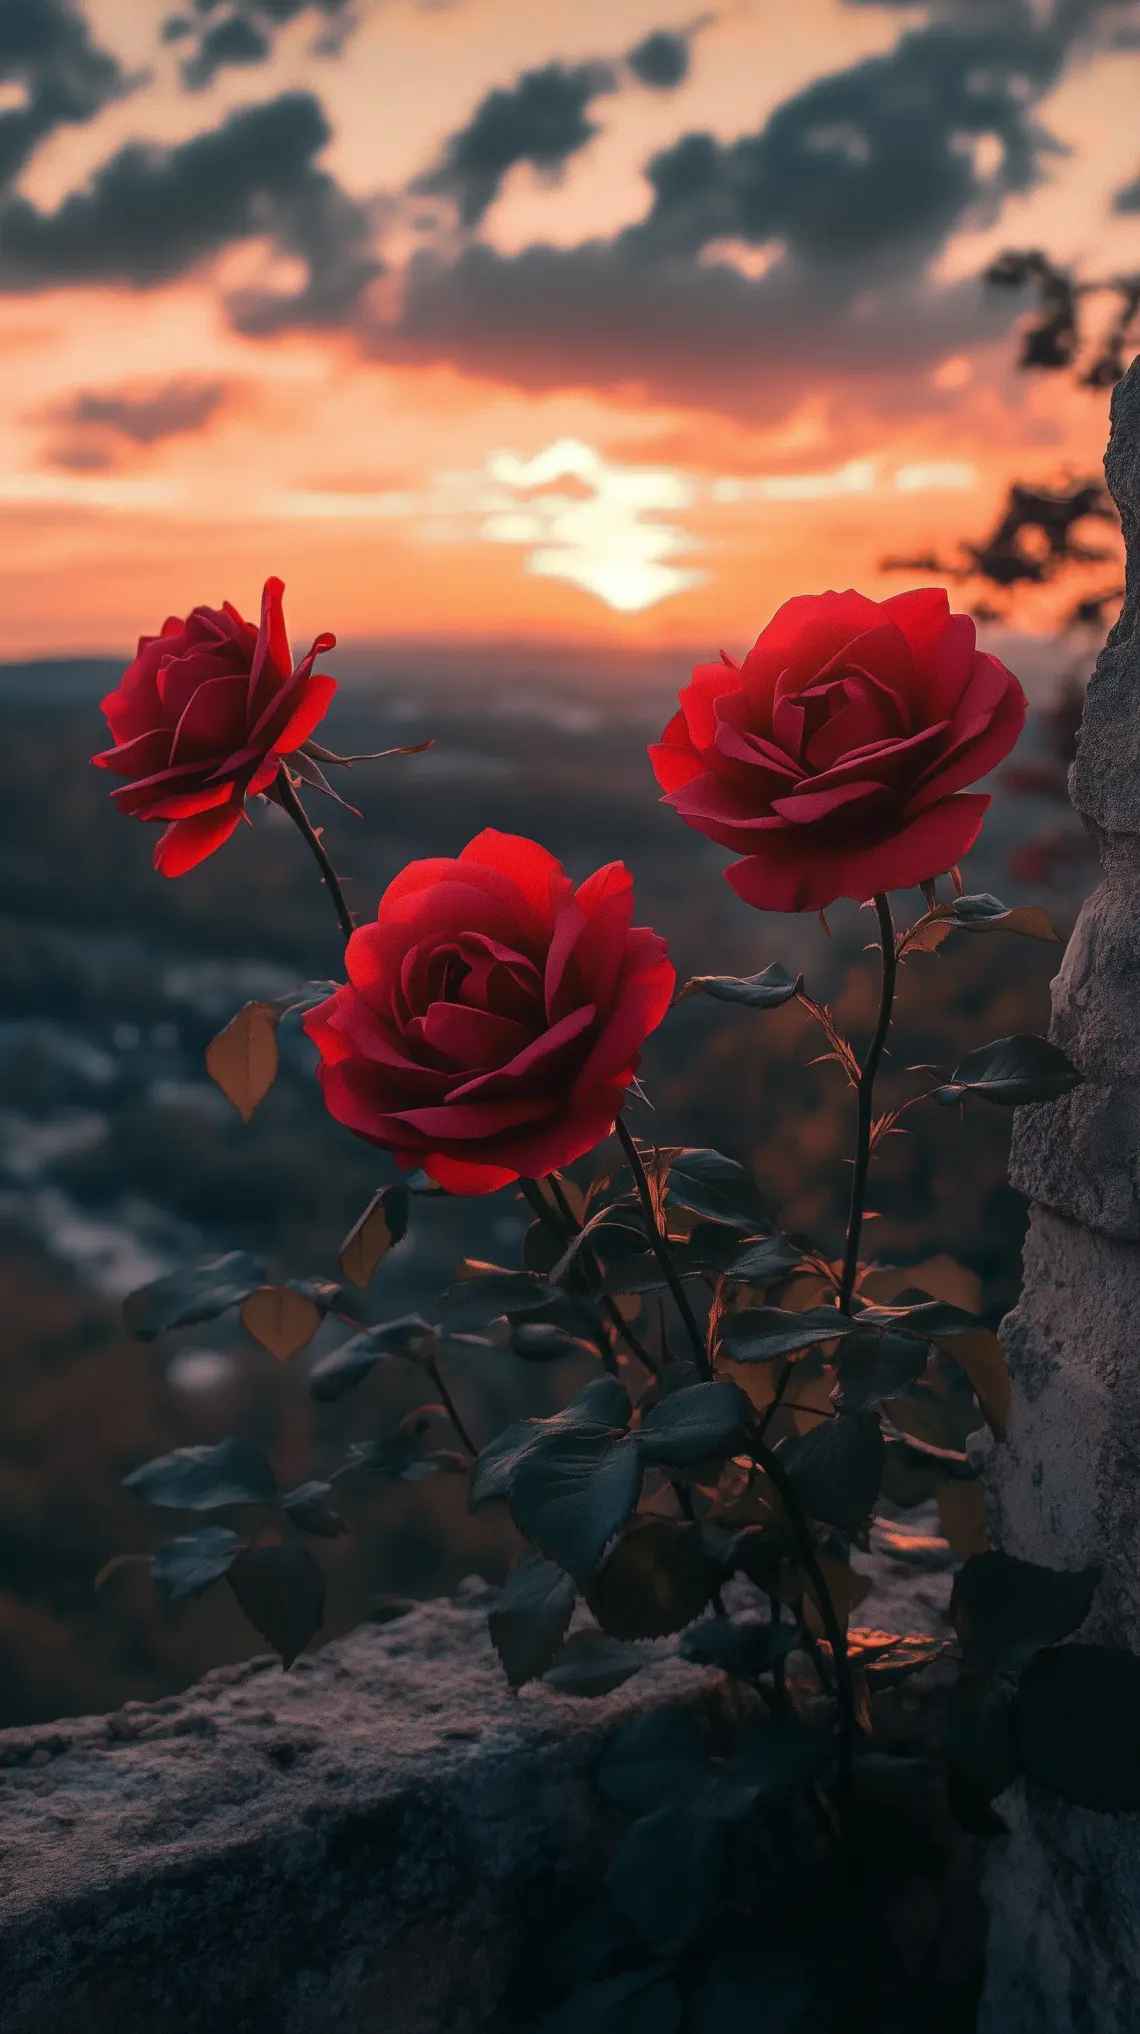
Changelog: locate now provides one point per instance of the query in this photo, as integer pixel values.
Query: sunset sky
(477, 318)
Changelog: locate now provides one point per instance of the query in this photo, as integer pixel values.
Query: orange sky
(396, 490)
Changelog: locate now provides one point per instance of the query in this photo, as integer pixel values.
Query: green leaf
(572, 1493)
(310, 1508)
(667, 1876)
(402, 1455)
(489, 1293)
(1013, 1071)
(614, 1233)
(282, 1592)
(659, 1759)
(325, 1293)
(529, 1621)
(306, 997)
(591, 1664)
(709, 1184)
(985, 913)
(602, 1407)
(205, 1477)
(875, 1366)
(341, 1370)
(187, 1565)
(765, 991)
(744, 1646)
(979, 1738)
(837, 1468)
(644, 2001)
(1005, 1610)
(545, 1342)
(199, 1293)
(657, 1579)
(762, 1263)
(694, 1423)
(926, 1317)
(977, 910)
(764, 1334)
(1076, 1725)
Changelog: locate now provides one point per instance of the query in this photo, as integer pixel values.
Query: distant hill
(508, 676)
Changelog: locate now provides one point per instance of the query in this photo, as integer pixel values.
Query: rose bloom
(493, 1016)
(835, 757)
(202, 719)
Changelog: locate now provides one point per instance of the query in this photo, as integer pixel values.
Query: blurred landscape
(119, 1159)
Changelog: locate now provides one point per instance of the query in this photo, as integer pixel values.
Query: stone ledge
(360, 1842)
(378, 1839)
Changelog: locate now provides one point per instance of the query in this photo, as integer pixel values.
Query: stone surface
(1064, 1886)
(381, 1838)
(361, 1843)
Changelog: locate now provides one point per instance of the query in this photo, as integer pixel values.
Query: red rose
(832, 758)
(494, 1014)
(202, 718)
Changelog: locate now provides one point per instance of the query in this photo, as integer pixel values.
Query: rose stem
(866, 1094)
(286, 792)
(660, 1249)
(612, 1310)
(546, 1214)
(608, 1304)
(449, 1407)
(833, 1630)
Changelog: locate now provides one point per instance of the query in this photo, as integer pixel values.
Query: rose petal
(272, 657)
(188, 841)
(537, 875)
(794, 871)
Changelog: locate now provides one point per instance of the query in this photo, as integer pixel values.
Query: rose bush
(834, 758)
(493, 1016)
(759, 1402)
(202, 719)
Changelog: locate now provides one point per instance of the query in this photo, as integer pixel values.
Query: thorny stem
(287, 793)
(866, 1094)
(449, 1406)
(660, 1249)
(608, 1304)
(833, 1630)
(548, 1216)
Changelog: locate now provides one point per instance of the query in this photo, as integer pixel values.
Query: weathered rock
(1064, 1886)
(361, 1843)
(383, 1838)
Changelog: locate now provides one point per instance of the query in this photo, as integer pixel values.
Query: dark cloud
(599, 316)
(46, 48)
(874, 160)
(144, 416)
(1127, 199)
(97, 425)
(229, 32)
(540, 119)
(661, 60)
(856, 182)
(150, 214)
